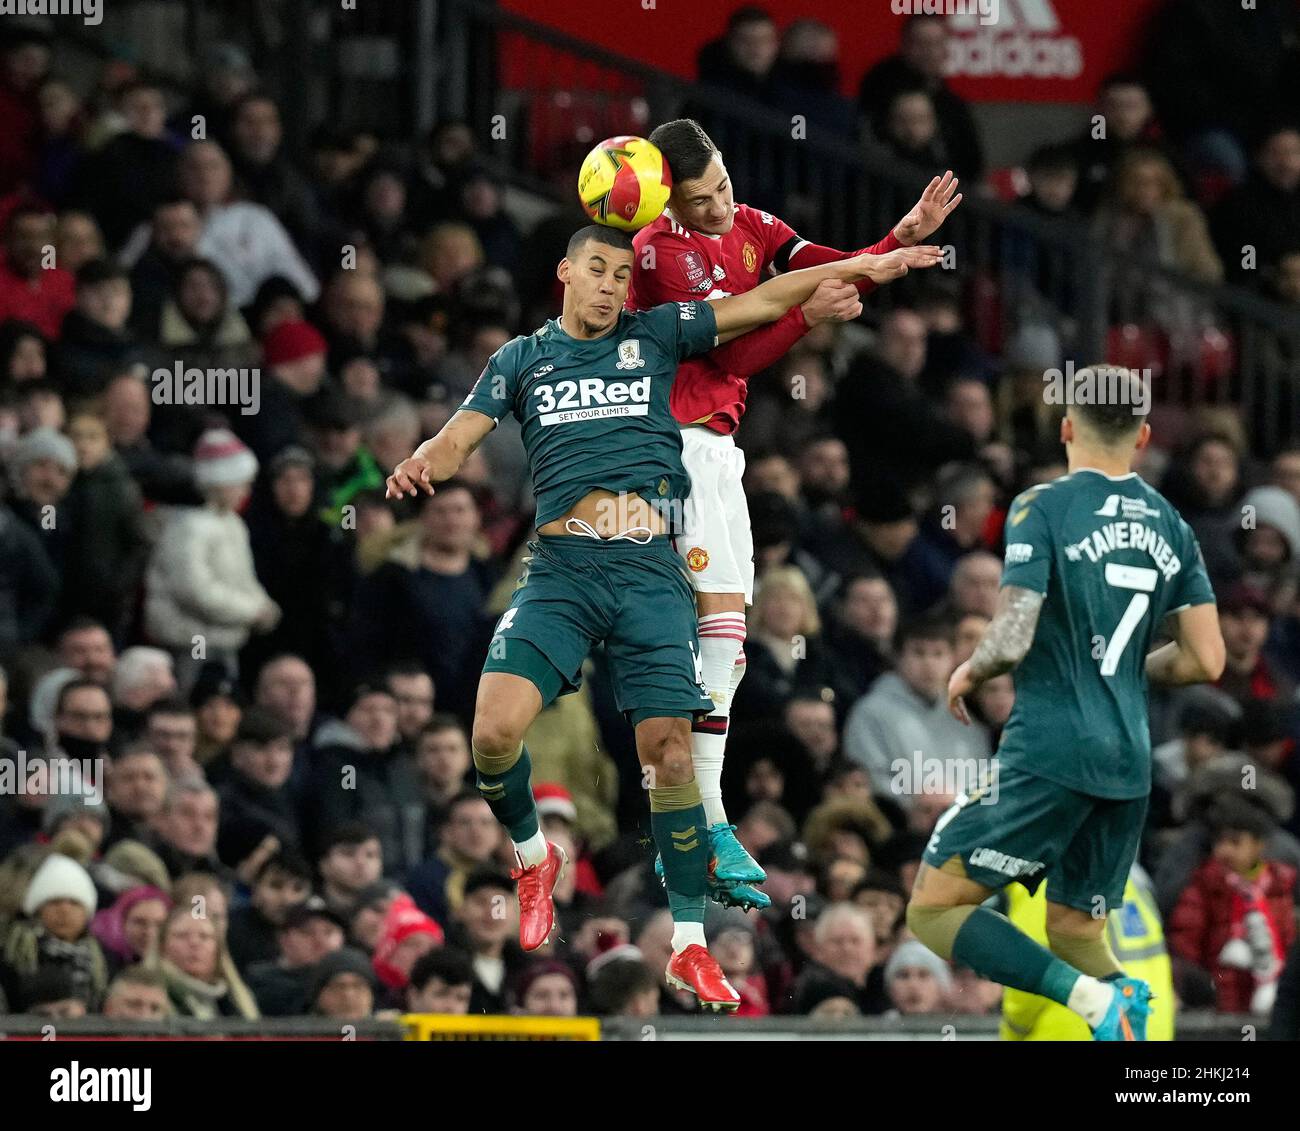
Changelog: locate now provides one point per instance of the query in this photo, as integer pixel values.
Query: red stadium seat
(1135, 346)
(565, 124)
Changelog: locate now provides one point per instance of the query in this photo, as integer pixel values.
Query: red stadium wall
(1037, 51)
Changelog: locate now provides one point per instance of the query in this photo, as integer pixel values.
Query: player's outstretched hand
(895, 264)
(409, 477)
(960, 685)
(929, 213)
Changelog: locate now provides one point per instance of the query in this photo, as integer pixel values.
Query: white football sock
(722, 636)
(685, 934)
(1090, 999)
(532, 851)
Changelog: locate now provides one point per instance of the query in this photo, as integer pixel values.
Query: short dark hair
(685, 146)
(80, 623)
(750, 14)
(440, 722)
(1235, 815)
(464, 797)
(601, 234)
(617, 982)
(261, 726)
(138, 975)
(169, 707)
(1052, 159)
(880, 879)
(76, 685)
(446, 963)
(347, 834)
(287, 861)
(403, 669)
(453, 484)
(1111, 418)
(931, 626)
(100, 271)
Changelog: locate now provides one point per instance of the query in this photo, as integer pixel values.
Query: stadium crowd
(237, 681)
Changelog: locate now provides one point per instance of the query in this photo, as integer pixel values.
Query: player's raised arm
(1005, 643)
(737, 314)
(439, 458)
(1195, 655)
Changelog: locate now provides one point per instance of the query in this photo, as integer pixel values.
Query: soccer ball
(624, 182)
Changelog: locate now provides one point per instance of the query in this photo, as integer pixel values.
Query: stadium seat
(1138, 347)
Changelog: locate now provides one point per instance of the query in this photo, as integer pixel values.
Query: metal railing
(544, 97)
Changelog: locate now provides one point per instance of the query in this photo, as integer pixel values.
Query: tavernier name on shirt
(1129, 535)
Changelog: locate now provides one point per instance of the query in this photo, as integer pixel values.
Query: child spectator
(200, 586)
(1236, 918)
(54, 933)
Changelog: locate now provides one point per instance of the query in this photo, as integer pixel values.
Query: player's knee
(665, 745)
(495, 737)
(1068, 925)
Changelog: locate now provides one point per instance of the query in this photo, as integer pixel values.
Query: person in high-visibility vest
(1137, 937)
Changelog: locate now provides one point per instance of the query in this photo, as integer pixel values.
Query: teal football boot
(733, 864)
(1126, 1019)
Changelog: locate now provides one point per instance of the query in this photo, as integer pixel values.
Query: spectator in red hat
(407, 935)
(201, 587)
(293, 362)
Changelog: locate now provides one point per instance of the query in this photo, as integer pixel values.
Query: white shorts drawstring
(584, 529)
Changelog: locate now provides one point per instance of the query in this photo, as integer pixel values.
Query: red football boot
(696, 970)
(536, 911)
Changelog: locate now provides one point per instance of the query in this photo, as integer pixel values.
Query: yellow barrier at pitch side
(448, 1027)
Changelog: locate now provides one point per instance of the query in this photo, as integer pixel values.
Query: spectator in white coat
(202, 596)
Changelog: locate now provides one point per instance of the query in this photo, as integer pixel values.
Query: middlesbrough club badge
(697, 559)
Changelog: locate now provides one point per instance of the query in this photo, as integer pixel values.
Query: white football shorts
(716, 543)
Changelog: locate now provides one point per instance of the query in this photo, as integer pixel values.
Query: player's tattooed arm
(1008, 637)
(1004, 645)
(440, 457)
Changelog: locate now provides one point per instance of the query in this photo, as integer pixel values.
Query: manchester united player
(707, 246)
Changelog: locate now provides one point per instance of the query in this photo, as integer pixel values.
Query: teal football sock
(505, 783)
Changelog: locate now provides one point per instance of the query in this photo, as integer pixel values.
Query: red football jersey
(690, 265)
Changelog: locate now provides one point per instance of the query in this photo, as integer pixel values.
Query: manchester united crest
(697, 559)
(750, 256)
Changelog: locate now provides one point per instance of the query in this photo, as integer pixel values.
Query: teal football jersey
(1112, 558)
(594, 413)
